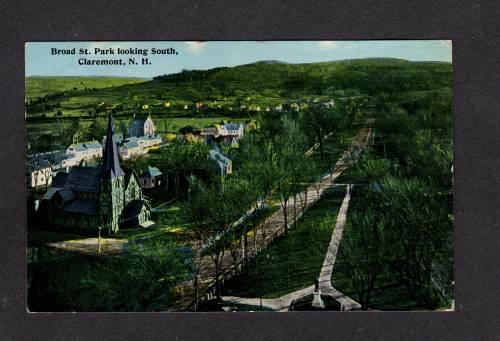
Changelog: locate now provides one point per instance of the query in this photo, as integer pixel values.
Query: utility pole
(99, 240)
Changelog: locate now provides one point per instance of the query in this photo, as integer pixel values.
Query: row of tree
(400, 226)
(271, 163)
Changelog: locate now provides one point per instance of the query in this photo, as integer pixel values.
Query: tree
(288, 150)
(363, 249)
(96, 130)
(419, 230)
(214, 213)
(316, 123)
(67, 132)
(258, 170)
(144, 279)
(124, 128)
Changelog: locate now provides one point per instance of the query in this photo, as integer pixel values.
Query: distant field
(39, 86)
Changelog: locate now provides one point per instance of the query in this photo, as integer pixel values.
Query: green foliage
(142, 280)
(96, 131)
(38, 86)
(293, 261)
(404, 203)
(364, 253)
(399, 232)
(214, 214)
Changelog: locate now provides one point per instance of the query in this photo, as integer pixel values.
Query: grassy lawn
(293, 261)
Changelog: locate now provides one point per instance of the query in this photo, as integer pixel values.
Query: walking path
(274, 226)
(325, 277)
(277, 304)
(90, 246)
(325, 284)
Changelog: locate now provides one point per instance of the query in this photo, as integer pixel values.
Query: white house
(230, 132)
(130, 148)
(149, 142)
(40, 174)
(134, 146)
(84, 151)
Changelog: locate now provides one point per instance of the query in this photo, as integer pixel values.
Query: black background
(472, 25)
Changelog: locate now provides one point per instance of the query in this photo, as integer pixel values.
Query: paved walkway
(273, 226)
(277, 304)
(325, 277)
(90, 246)
(325, 284)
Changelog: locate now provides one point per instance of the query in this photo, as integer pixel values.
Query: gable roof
(151, 172)
(50, 193)
(82, 207)
(79, 147)
(66, 194)
(134, 208)
(233, 126)
(131, 142)
(129, 174)
(81, 179)
(60, 179)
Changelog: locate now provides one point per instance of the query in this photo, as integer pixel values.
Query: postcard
(230, 176)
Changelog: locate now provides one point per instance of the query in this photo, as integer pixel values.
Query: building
(104, 197)
(85, 151)
(142, 127)
(149, 178)
(40, 173)
(224, 164)
(149, 142)
(133, 146)
(130, 148)
(229, 132)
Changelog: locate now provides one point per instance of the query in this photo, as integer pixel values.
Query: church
(105, 197)
(140, 127)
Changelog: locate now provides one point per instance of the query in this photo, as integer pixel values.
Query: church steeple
(110, 162)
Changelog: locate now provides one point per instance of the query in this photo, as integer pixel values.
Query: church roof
(66, 194)
(110, 162)
(84, 179)
(60, 179)
(82, 207)
(50, 193)
(134, 208)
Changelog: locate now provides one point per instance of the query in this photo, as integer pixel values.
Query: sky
(206, 55)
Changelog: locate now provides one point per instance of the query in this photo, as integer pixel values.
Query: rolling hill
(39, 86)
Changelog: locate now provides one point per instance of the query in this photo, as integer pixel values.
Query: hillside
(260, 84)
(39, 86)
(232, 94)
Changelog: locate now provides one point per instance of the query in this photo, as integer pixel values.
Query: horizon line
(255, 62)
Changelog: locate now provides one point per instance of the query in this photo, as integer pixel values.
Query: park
(339, 195)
